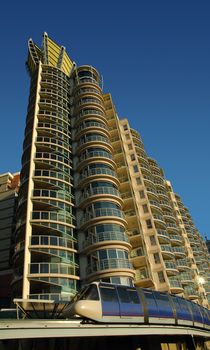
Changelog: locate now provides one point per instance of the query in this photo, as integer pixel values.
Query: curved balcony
(88, 102)
(53, 241)
(186, 278)
(87, 91)
(110, 264)
(48, 114)
(171, 268)
(91, 126)
(176, 239)
(52, 268)
(49, 142)
(165, 204)
(163, 236)
(179, 251)
(137, 257)
(90, 113)
(63, 217)
(57, 297)
(95, 156)
(101, 191)
(182, 264)
(60, 194)
(175, 285)
(42, 156)
(143, 279)
(105, 238)
(66, 284)
(197, 251)
(103, 214)
(53, 128)
(93, 141)
(152, 193)
(97, 172)
(159, 220)
(167, 250)
(154, 204)
(42, 174)
(169, 217)
(172, 227)
(191, 292)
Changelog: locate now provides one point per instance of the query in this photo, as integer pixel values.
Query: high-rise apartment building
(92, 204)
(9, 185)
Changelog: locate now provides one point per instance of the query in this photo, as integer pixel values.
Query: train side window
(91, 293)
(134, 298)
(108, 294)
(123, 295)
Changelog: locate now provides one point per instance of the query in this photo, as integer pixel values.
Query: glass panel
(108, 294)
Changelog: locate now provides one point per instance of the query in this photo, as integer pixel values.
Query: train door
(129, 302)
(109, 301)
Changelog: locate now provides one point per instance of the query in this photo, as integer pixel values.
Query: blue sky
(154, 56)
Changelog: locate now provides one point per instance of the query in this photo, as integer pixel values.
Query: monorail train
(109, 303)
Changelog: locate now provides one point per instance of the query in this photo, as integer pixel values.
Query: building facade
(92, 204)
(9, 185)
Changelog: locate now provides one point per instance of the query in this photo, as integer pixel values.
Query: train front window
(91, 293)
(108, 294)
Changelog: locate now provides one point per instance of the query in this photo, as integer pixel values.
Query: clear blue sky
(154, 56)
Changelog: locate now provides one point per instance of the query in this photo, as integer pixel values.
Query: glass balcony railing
(52, 268)
(109, 264)
(95, 154)
(94, 138)
(100, 190)
(63, 217)
(98, 171)
(170, 265)
(52, 241)
(137, 252)
(105, 236)
(102, 212)
(166, 248)
(175, 283)
(142, 274)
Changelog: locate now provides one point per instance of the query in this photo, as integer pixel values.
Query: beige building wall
(167, 250)
(9, 185)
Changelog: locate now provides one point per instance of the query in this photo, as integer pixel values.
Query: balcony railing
(137, 252)
(170, 265)
(100, 190)
(52, 268)
(98, 171)
(105, 236)
(102, 212)
(109, 264)
(175, 283)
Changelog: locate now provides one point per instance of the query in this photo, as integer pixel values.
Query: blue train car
(109, 303)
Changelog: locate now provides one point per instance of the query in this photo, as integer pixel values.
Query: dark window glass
(108, 294)
(123, 295)
(91, 293)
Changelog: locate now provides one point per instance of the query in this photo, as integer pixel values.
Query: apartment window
(161, 277)
(130, 146)
(135, 168)
(138, 181)
(127, 136)
(152, 240)
(133, 157)
(125, 127)
(156, 257)
(149, 223)
(141, 193)
(145, 208)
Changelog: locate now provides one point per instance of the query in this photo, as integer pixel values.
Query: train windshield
(91, 293)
